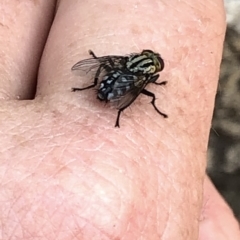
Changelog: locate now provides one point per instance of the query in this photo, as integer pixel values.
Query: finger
(23, 30)
(217, 220)
(163, 151)
(80, 26)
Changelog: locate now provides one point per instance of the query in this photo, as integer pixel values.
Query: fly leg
(106, 67)
(92, 54)
(90, 86)
(118, 117)
(94, 83)
(147, 93)
(95, 79)
(154, 79)
(152, 95)
(160, 83)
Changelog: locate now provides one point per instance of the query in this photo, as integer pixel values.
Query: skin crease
(66, 172)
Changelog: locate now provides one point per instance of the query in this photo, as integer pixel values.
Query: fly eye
(147, 52)
(150, 69)
(160, 63)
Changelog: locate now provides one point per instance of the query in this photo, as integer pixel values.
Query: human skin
(66, 172)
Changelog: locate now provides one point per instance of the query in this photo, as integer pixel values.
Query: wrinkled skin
(66, 172)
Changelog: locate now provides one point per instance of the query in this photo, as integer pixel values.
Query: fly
(122, 78)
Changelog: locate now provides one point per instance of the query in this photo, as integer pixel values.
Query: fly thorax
(141, 65)
(150, 70)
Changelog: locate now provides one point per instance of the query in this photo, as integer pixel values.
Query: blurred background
(224, 143)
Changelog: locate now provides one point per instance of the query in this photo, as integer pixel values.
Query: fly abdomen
(105, 91)
(115, 85)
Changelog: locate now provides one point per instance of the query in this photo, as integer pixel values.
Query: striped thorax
(147, 62)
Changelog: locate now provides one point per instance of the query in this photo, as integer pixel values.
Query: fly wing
(127, 88)
(91, 66)
(87, 66)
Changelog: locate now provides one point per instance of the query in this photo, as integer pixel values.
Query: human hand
(66, 172)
